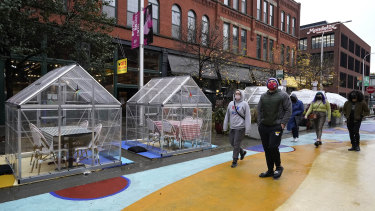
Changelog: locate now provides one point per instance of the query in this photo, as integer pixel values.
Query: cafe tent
(307, 96)
(253, 93)
(63, 123)
(169, 115)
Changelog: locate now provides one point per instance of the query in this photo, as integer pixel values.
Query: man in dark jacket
(274, 110)
(295, 119)
(354, 110)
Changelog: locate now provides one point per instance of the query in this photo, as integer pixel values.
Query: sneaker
(320, 143)
(278, 172)
(234, 165)
(266, 174)
(357, 148)
(296, 139)
(243, 155)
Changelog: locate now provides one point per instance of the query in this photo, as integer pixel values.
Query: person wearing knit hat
(321, 107)
(274, 110)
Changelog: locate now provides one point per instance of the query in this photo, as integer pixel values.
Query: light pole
(363, 72)
(321, 55)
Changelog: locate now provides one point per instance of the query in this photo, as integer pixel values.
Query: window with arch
(155, 15)
(132, 8)
(191, 26)
(205, 30)
(176, 22)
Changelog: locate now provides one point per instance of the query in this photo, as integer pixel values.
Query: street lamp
(363, 72)
(321, 55)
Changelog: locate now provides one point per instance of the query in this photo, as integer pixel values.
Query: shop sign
(279, 74)
(122, 66)
(323, 29)
(367, 81)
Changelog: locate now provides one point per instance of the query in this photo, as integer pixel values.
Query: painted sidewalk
(209, 183)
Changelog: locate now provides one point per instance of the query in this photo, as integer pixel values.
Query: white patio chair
(153, 132)
(169, 131)
(84, 124)
(93, 144)
(43, 150)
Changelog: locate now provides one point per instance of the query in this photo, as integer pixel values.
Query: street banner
(147, 29)
(280, 74)
(135, 30)
(122, 66)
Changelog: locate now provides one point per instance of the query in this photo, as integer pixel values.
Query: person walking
(321, 107)
(295, 119)
(274, 110)
(238, 115)
(354, 110)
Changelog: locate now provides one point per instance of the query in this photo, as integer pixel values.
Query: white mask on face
(237, 97)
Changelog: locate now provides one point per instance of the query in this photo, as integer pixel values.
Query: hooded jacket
(236, 121)
(297, 110)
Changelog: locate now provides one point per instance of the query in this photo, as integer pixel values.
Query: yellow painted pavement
(224, 188)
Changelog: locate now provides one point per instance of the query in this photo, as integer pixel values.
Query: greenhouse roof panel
(74, 78)
(170, 90)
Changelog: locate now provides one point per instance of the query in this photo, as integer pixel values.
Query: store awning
(186, 65)
(236, 73)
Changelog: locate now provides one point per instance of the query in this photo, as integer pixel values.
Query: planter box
(254, 131)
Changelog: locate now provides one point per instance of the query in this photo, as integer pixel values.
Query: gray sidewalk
(140, 164)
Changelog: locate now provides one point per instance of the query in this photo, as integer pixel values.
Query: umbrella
(307, 96)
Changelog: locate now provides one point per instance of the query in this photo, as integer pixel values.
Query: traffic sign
(370, 89)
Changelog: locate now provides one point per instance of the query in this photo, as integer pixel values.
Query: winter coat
(297, 111)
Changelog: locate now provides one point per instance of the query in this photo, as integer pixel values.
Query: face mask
(237, 97)
(272, 85)
(293, 99)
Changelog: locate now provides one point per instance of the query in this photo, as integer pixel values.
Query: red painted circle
(94, 190)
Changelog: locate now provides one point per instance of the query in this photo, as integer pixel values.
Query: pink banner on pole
(135, 30)
(147, 30)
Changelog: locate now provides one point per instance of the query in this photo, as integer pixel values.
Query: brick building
(260, 32)
(344, 48)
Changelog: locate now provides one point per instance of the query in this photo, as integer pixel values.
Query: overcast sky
(361, 12)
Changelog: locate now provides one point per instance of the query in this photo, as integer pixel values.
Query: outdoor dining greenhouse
(63, 123)
(168, 116)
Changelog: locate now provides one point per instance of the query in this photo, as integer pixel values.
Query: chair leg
(40, 166)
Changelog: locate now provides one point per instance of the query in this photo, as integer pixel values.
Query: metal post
(321, 63)
(363, 72)
(141, 43)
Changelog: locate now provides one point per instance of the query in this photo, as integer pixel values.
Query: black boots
(234, 163)
(243, 155)
(278, 172)
(266, 174)
(355, 148)
(317, 143)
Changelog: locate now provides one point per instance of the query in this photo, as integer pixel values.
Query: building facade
(260, 33)
(345, 50)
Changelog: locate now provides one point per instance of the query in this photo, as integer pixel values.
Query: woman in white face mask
(238, 114)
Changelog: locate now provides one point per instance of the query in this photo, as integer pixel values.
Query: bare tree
(207, 44)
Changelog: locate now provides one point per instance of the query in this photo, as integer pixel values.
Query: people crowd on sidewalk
(354, 110)
(321, 109)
